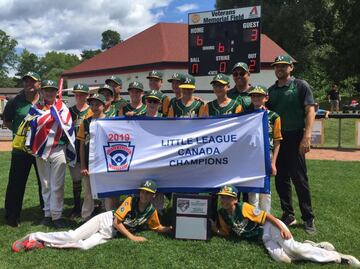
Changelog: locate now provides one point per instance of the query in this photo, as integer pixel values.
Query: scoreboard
(218, 39)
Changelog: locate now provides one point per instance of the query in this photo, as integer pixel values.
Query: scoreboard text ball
(219, 39)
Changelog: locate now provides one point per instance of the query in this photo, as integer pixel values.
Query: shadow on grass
(34, 215)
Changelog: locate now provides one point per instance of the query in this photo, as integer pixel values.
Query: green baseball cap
(283, 59)
(81, 88)
(115, 79)
(154, 95)
(155, 74)
(259, 89)
(106, 87)
(49, 84)
(221, 78)
(98, 97)
(175, 76)
(187, 82)
(149, 186)
(228, 190)
(33, 75)
(241, 65)
(136, 85)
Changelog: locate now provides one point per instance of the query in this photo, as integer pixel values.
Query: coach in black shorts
(293, 100)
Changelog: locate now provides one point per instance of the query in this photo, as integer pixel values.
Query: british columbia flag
(47, 128)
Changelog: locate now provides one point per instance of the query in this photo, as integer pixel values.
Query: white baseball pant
(52, 176)
(94, 232)
(88, 204)
(260, 200)
(282, 250)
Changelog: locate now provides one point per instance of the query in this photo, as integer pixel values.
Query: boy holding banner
(135, 214)
(245, 221)
(259, 96)
(97, 104)
(79, 112)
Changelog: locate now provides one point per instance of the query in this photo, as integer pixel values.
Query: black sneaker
(288, 220)
(310, 226)
(46, 221)
(12, 222)
(75, 213)
(60, 223)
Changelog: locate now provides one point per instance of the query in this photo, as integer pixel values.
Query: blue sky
(178, 9)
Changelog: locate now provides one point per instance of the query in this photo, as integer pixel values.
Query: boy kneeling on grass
(134, 214)
(245, 221)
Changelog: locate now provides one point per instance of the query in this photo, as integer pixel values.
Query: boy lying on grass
(245, 221)
(134, 214)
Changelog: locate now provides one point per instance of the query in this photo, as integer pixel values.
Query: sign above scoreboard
(218, 39)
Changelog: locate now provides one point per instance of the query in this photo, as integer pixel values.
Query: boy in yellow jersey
(175, 81)
(134, 214)
(135, 107)
(187, 106)
(245, 221)
(97, 104)
(108, 92)
(155, 78)
(259, 96)
(222, 104)
(79, 112)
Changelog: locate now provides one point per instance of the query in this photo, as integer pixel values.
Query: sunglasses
(153, 101)
(242, 73)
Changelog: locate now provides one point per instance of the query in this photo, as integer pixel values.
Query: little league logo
(118, 156)
(183, 205)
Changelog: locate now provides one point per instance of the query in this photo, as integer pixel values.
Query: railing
(340, 131)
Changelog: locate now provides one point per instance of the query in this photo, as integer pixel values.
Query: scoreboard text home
(219, 39)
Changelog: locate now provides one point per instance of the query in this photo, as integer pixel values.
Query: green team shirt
(165, 102)
(242, 98)
(77, 118)
(179, 110)
(244, 223)
(213, 108)
(111, 112)
(158, 114)
(137, 111)
(289, 102)
(83, 134)
(119, 103)
(15, 111)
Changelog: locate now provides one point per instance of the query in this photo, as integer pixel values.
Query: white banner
(180, 155)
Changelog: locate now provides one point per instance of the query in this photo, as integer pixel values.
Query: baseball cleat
(350, 260)
(324, 245)
(18, 245)
(34, 244)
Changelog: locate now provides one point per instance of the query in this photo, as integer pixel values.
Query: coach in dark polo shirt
(240, 92)
(15, 111)
(293, 100)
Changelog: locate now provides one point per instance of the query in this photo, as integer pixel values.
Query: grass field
(335, 195)
(331, 133)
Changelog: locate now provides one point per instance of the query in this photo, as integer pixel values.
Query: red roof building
(163, 46)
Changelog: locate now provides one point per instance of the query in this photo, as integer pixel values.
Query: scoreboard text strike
(219, 39)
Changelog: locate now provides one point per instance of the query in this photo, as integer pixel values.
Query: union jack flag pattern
(47, 128)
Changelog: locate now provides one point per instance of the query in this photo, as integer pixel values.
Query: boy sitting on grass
(134, 214)
(245, 221)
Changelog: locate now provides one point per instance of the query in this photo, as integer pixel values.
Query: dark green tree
(109, 39)
(8, 59)
(88, 54)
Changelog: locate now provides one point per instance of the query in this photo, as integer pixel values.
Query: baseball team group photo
(127, 160)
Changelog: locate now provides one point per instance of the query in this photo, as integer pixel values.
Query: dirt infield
(314, 154)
